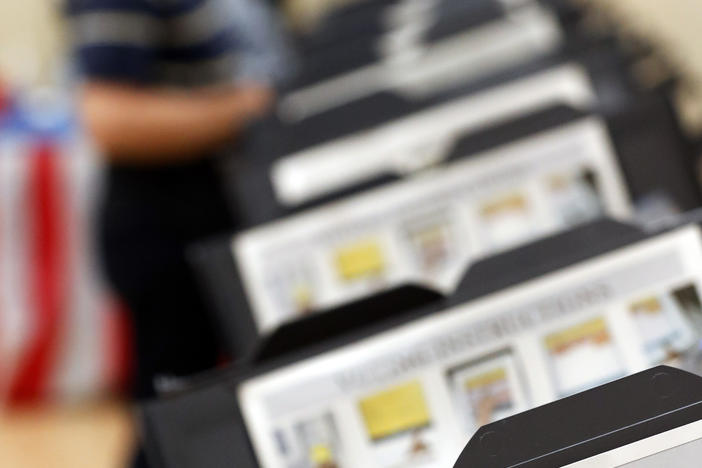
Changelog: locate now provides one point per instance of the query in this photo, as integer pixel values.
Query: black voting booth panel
(204, 426)
(590, 423)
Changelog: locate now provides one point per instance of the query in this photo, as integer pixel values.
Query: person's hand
(142, 124)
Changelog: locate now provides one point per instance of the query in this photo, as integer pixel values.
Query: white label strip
(422, 138)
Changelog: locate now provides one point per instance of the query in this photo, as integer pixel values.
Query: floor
(87, 436)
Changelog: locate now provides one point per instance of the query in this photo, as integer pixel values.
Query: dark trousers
(149, 217)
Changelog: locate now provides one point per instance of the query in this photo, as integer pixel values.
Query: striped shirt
(178, 42)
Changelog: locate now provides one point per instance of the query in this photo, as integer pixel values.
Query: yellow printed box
(594, 330)
(396, 410)
(362, 259)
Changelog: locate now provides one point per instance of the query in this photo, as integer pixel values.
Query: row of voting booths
(459, 211)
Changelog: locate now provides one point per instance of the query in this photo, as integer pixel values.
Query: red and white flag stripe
(61, 333)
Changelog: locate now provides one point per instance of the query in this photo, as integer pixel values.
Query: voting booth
(425, 231)
(523, 329)
(392, 136)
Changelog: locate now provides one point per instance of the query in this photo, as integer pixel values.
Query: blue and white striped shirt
(178, 42)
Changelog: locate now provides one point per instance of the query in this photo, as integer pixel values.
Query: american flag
(62, 334)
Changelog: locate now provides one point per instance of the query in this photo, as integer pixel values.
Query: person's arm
(136, 124)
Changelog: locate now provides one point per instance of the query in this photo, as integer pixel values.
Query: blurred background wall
(674, 29)
(31, 42)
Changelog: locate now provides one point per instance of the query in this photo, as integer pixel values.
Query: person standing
(166, 86)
